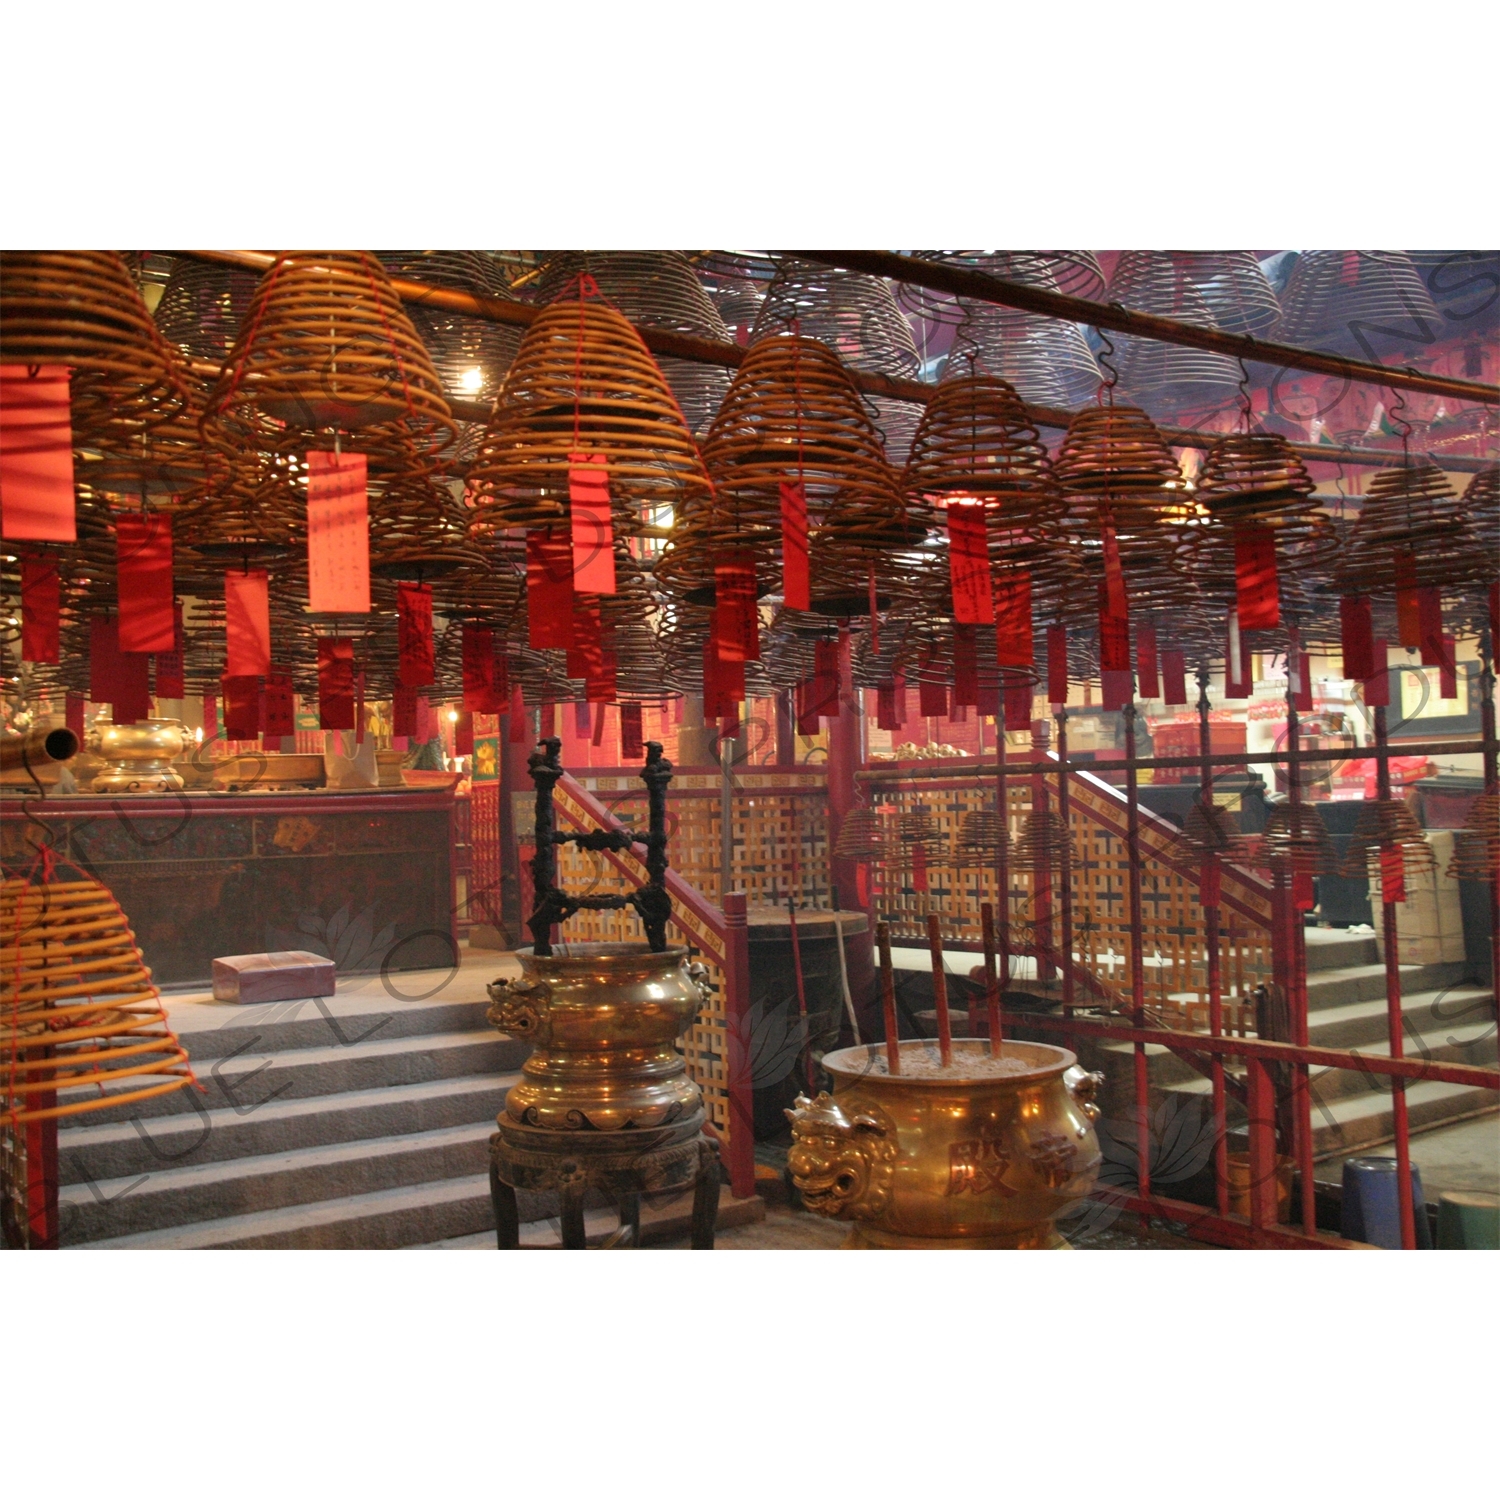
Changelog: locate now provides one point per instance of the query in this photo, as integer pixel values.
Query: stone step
(250, 1081)
(127, 1148)
(1330, 988)
(184, 1197)
(1337, 948)
(454, 1212)
(1426, 1014)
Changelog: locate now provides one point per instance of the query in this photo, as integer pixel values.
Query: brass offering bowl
(138, 757)
(964, 1158)
(603, 1018)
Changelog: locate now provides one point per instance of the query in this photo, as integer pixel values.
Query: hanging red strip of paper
(241, 707)
(1430, 618)
(1018, 698)
(463, 733)
(404, 711)
(965, 667)
(36, 455)
(736, 619)
(1057, 664)
(632, 740)
(1392, 875)
(1299, 669)
(1147, 684)
(593, 536)
(1014, 645)
(416, 666)
(1357, 636)
(247, 623)
(170, 682)
(1173, 678)
(1378, 683)
(969, 563)
(143, 570)
(483, 692)
(549, 589)
(119, 678)
(796, 579)
(1408, 605)
(338, 533)
(1255, 578)
(41, 604)
(1448, 668)
(335, 682)
(278, 712)
(73, 709)
(1116, 600)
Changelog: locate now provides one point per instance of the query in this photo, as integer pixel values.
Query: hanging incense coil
(166, 461)
(203, 307)
(1476, 846)
(1045, 842)
(78, 1009)
(1482, 500)
(253, 510)
(470, 355)
(326, 345)
(864, 836)
(1296, 838)
(1233, 285)
(982, 836)
(417, 531)
(855, 315)
(1366, 303)
(1173, 375)
(584, 382)
(654, 289)
(1047, 360)
(1413, 521)
(792, 414)
(1117, 453)
(1383, 826)
(1210, 830)
(81, 309)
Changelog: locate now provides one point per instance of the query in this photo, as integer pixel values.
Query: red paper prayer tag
(965, 667)
(36, 455)
(404, 710)
(1303, 896)
(736, 617)
(1209, 883)
(73, 708)
(932, 699)
(1057, 664)
(463, 733)
(585, 656)
(335, 682)
(1378, 683)
(1357, 637)
(582, 720)
(549, 589)
(1145, 662)
(632, 742)
(338, 533)
(593, 537)
(547, 721)
(1408, 605)
(143, 568)
(918, 868)
(414, 634)
(1430, 620)
(1116, 602)
(1448, 669)
(1299, 674)
(1014, 646)
(599, 723)
(885, 708)
(1018, 706)
(1173, 678)
(483, 690)
(41, 601)
(116, 678)
(1255, 578)
(1392, 875)
(796, 579)
(969, 563)
(247, 624)
(169, 664)
(1117, 689)
(1114, 637)
(241, 707)
(278, 712)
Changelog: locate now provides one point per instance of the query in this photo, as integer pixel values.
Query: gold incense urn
(603, 1019)
(982, 1155)
(138, 757)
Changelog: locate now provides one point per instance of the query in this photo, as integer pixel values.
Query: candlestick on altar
(940, 992)
(991, 979)
(888, 999)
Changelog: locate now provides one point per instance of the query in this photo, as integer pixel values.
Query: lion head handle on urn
(520, 1008)
(841, 1165)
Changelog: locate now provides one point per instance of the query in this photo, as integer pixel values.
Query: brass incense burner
(603, 1018)
(964, 1157)
(605, 1101)
(139, 756)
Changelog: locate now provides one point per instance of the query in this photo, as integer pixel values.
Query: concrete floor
(1463, 1157)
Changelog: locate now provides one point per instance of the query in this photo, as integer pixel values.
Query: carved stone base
(622, 1164)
